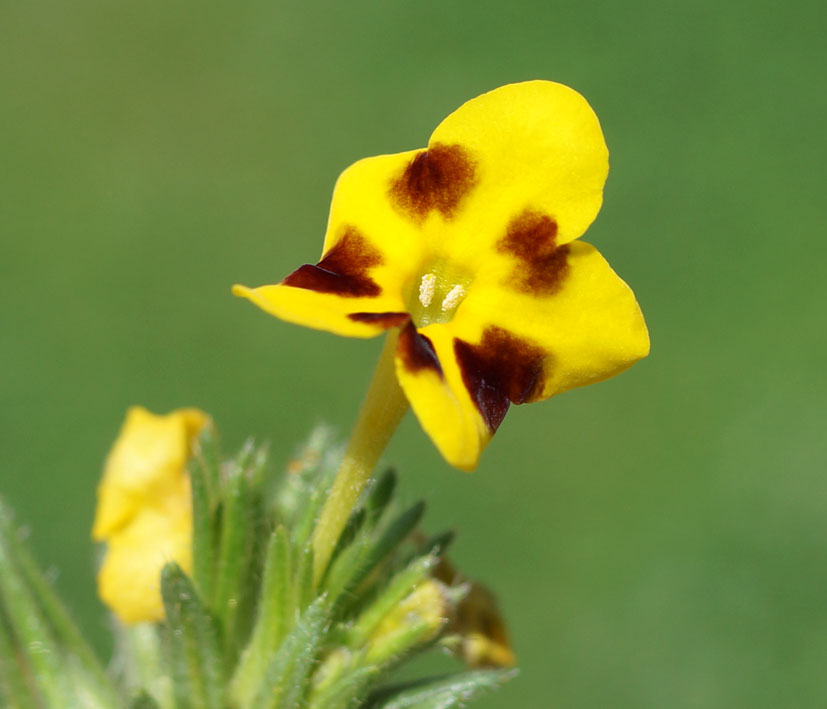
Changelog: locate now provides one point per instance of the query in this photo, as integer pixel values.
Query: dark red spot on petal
(435, 179)
(343, 270)
(417, 351)
(385, 320)
(503, 369)
(532, 238)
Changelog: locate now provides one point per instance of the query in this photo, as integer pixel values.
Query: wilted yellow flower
(469, 247)
(144, 511)
(477, 626)
(480, 626)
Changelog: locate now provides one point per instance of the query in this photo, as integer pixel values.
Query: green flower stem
(382, 410)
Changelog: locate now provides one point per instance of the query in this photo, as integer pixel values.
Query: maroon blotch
(502, 369)
(435, 179)
(532, 238)
(385, 320)
(417, 351)
(343, 270)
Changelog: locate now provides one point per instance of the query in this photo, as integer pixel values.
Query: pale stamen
(426, 289)
(455, 295)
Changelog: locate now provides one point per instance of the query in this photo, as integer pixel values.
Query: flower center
(437, 293)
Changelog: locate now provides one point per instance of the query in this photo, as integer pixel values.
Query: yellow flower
(144, 511)
(469, 247)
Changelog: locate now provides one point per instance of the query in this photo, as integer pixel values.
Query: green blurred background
(659, 540)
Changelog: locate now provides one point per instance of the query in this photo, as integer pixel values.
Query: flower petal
(461, 376)
(130, 573)
(534, 146)
(589, 324)
(146, 462)
(324, 311)
(371, 253)
(430, 377)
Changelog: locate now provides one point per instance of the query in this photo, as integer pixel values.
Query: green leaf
(354, 525)
(303, 481)
(439, 692)
(397, 530)
(14, 691)
(97, 683)
(197, 668)
(304, 579)
(257, 469)
(36, 638)
(347, 691)
(397, 589)
(392, 648)
(259, 528)
(347, 564)
(208, 457)
(274, 613)
(288, 675)
(143, 656)
(307, 516)
(203, 538)
(380, 496)
(364, 555)
(234, 550)
(352, 552)
(438, 544)
(143, 701)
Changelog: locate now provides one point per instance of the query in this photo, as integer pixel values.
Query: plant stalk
(382, 410)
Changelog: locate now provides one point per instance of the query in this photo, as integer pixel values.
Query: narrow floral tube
(469, 246)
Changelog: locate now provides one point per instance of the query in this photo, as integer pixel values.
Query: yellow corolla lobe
(435, 180)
